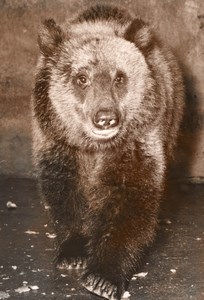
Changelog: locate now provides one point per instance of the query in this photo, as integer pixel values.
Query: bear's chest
(114, 168)
(91, 167)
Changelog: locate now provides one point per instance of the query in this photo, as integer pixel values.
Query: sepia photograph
(102, 149)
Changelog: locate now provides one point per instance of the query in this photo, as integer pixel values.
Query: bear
(107, 107)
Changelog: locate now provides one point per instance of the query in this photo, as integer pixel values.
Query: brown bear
(107, 107)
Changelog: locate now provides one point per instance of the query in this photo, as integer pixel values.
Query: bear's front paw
(72, 253)
(74, 263)
(101, 287)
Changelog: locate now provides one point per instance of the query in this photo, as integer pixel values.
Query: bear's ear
(50, 37)
(139, 33)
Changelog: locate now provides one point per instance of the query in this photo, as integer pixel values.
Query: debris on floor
(4, 295)
(126, 295)
(51, 235)
(173, 271)
(140, 275)
(22, 289)
(11, 205)
(31, 232)
(26, 288)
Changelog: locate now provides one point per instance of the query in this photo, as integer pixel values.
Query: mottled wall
(179, 22)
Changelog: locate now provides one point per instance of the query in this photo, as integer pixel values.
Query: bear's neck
(111, 167)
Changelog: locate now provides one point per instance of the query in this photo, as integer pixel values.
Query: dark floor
(174, 265)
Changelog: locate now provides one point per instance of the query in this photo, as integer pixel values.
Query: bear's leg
(120, 230)
(72, 253)
(59, 189)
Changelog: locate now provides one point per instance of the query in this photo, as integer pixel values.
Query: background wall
(179, 22)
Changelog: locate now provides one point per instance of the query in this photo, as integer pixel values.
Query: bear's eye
(120, 78)
(82, 80)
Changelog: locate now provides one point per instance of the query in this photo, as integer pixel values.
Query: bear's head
(100, 89)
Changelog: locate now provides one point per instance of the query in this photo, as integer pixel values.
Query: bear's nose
(105, 119)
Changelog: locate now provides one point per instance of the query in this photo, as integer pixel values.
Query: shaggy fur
(107, 106)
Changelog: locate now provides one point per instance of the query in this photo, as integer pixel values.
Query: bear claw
(75, 263)
(100, 287)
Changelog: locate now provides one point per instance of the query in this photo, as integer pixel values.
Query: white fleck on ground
(126, 295)
(139, 275)
(22, 289)
(11, 205)
(4, 295)
(51, 235)
(47, 207)
(14, 267)
(26, 288)
(173, 271)
(31, 232)
(168, 221)
(34, 287)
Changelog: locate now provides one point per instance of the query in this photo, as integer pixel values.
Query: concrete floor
(174, 266)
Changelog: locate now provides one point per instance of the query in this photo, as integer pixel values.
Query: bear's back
(104, 13)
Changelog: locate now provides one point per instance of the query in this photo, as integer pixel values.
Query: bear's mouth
(105, 134)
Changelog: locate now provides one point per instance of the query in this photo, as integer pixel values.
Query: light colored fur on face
(100, 47)
(112, 54)
(100, 28)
